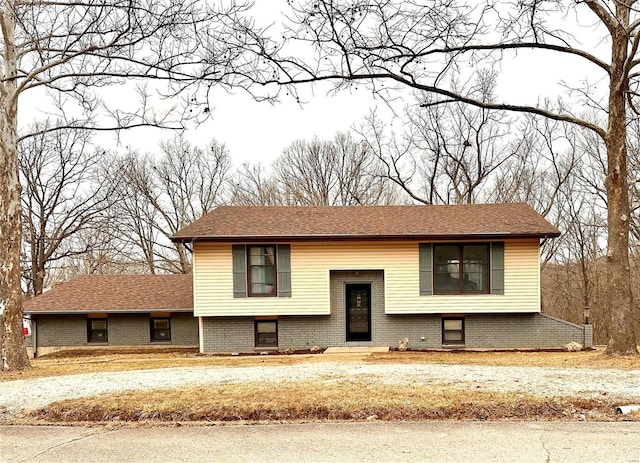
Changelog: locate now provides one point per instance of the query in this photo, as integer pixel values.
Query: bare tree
(577, 276)
(163, 193)
(426, 47)
(73, 52)
(254, 186)
(444, 154)
(330, 173)
(338, 172)
(62, 195)
(133, 215)
(634, 176)
(105, 253)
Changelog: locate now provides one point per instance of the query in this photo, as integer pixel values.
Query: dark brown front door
(358, 304)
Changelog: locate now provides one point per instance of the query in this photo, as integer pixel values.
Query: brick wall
(522, 330)
(228, 335)
(54, 332)
(184, 329)
(60, 330)
(423, 331)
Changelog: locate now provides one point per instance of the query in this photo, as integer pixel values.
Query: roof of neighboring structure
(255, 223)
(116, 293)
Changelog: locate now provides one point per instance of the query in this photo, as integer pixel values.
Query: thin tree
(394, 44)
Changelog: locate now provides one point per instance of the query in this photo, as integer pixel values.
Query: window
(160, 329)
(97, 330)
(453, 331)
(266, 333)
(461, 268)
(262, 270)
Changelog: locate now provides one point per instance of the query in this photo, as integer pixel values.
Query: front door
(358, 305)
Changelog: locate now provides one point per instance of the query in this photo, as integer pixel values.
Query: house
(464, 276)
(98, 311)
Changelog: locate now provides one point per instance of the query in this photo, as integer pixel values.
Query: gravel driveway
(619, 385)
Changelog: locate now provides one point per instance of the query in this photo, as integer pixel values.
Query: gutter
(332, 237)
(85, 311)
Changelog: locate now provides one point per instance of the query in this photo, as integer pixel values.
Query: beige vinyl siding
(521, 287)
(311, 263)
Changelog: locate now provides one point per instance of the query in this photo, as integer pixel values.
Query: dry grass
(74, 363)
(585, 359)
(71, 365)
(317, 400)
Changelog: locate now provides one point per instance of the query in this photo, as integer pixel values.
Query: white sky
(255, 131)
(259, 131)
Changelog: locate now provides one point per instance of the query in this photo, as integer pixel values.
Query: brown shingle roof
(229, 223)
(116, 293)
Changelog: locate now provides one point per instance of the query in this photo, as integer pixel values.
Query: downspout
(34, 333)
(193, 285)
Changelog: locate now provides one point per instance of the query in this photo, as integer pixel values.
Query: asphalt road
(329, 442)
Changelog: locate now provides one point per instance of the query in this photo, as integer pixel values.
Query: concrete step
(355, 350)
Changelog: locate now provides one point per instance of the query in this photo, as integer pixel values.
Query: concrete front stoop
(356, 350)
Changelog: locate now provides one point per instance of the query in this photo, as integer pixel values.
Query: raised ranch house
(114, 311)
(464, 276)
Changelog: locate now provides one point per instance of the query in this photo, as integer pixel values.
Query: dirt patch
(594, 358)
(105, 352)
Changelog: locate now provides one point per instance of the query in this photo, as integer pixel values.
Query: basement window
(266, 332)
(98, 330)
(160, 329)
(453, 331)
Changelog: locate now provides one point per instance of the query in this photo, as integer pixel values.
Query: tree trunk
(37, 274)
(620, 300)
(14, 349)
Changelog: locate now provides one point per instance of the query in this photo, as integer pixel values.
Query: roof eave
(365, 237)
(85, 311)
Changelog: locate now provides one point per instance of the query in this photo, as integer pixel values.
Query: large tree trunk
(621, 309)
(14, 350)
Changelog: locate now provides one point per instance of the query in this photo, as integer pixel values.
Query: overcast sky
(256, 131)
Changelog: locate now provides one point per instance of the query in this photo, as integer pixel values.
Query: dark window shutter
(426, 269)
(284, 270)
(497, 268)
(238, 252)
